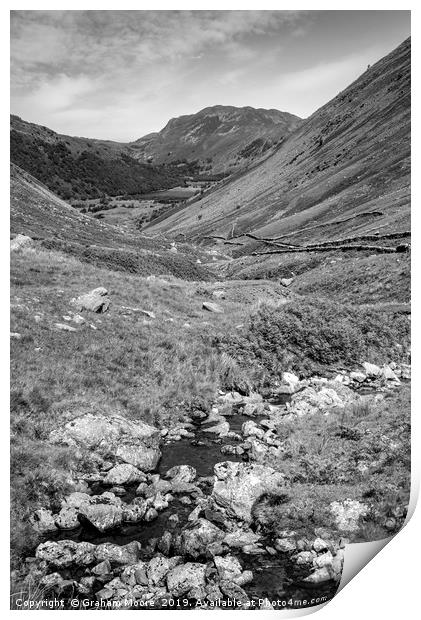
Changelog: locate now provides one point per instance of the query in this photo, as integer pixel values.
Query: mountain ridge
(212, 136)
(351, 156)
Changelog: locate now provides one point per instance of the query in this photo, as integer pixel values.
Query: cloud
(122, 74)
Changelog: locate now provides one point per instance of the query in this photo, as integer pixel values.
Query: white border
(388, 585)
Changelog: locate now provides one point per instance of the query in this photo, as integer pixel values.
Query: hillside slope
(221, 137)
(36, 212)
(345, 170)
(80, 168)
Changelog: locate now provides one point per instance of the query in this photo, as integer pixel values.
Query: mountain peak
(219, 135)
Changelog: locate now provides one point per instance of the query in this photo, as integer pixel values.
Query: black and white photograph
(210, 304)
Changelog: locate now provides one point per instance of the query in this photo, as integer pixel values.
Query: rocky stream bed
(165, 518)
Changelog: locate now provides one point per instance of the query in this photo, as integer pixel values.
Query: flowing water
(273, 576)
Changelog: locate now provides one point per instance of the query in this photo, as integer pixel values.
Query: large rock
(94, 301)
(228, 567)
(113, 436)
(347, 514)
(221, 428)
(134, 512)
(196, 538)
(250, 428)
(64, 553)
(181, 473)
(124, 474)
(322, 397)
(118, 555)
(43, 521)
(103, 516)
(371, 370)
(158, 568)
(239, 538)
(185, 577)
(20, 242)
(67, 518)
(213, 307)
(320, 575)
(238, 486)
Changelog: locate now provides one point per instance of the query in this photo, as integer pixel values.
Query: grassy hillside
(158, 369)
(349, 277)
(38, 213)
(78, 168)
(345, 170)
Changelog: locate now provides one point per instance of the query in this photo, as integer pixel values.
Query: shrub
(312, 335)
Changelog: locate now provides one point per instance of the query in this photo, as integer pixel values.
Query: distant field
(175, 193)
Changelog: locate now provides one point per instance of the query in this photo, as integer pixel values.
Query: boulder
(320, 545)
(320, 575)
(304, 558)
(112, 436)
(243, 579)
(371, 370)
(86, 585)
(212, 307)
(219, 294)
(63, 327)
(158, 568)
(290, 379)
(94, 301)
(134, 512)
(357, 376)
(65, 553)
(250, 428)
(151, 514)
(124, 474)
(389, 375)
(238, 486)
(20, 242)
(323, 560)
(116, 554)
(196, 538)
(322, 397)
(103, 516)
(258, 450)
(165, 543)
(101, 569)
(286, 281)
(184, 577)
(347, 514)
(286, 545)
(238, 538)
(67, 518)
(160, 486)
(43, 521)
(228, 567)
(76, 500)
(221, 428)
(181, 473)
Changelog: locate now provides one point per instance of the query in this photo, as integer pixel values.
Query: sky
(120, 75)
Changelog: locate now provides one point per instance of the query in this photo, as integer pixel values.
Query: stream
(273, 576)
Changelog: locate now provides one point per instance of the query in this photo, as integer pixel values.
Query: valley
(210, 352)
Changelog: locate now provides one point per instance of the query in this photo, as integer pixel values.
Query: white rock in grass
(20, 242)
(65, 328)
(94, 301)
(212, 307)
